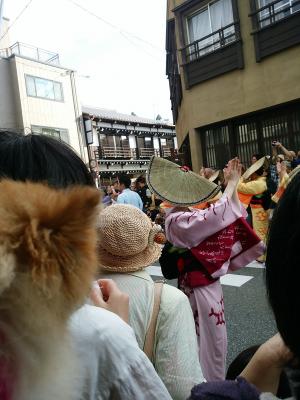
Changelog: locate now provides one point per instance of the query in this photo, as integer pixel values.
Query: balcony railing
(166, 152)
(275, 11)
(210, 43)
(147, 153)
(118, 152)
(33, 52)
(132, 153)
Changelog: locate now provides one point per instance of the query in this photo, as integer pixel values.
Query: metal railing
(132, 153)
(118, 152)
(274, 12)
(210, 43)
(147, 153)
(33, 52)
(166, 152)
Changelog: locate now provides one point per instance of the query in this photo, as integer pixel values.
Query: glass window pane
(30, 86)
(58, 95)
(51, 132)
(64, 135)
(221, 14)
(44, 88)
(199, 26)
(36, 129)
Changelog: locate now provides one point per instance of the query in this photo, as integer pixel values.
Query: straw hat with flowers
(128, 241)
(178, 185)
(254, 167)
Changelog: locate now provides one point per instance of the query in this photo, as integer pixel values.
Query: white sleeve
(113, 364)
(176, 348)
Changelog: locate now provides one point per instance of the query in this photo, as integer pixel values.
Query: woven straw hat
(178, 185)
(126, 237)
(254, 167)
(294, 172)
(214, 176)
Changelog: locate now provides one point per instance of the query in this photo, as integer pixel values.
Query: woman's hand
(233, 170)
(232, 174)
(106, 294)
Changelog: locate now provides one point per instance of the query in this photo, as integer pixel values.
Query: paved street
(248, 316)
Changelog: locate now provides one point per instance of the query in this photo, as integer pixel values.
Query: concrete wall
(43, 112)
(273, 81)
(8, 118)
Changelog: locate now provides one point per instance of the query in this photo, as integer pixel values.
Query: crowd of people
(80, 317)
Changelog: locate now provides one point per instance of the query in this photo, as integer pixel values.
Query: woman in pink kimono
(217, 238)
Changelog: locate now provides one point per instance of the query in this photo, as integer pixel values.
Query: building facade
(234, 73)
(120, 143)
(39, 95)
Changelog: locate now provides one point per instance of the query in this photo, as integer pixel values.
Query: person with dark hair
(127, 195)
(283, 242)
(254, 158)
(282, 280)
(144, 192)
(111, 363)
(39, 158)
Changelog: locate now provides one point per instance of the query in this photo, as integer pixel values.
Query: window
(243, 137)
(202, 24)
(275, 11)
(43, 88)
(58, 133)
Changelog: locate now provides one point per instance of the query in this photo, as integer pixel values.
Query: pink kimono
(221, 240)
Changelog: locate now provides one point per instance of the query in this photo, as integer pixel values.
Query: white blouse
(176, 357)
(113, 366)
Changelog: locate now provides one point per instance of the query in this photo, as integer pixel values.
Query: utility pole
(1, 15)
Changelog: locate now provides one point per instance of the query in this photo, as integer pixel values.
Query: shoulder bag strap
(150, 335)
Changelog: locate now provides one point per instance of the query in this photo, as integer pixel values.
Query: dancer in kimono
(209, 242)
(251, 190)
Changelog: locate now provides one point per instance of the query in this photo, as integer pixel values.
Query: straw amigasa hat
(293, 173)
(126, 239)
(178, 185)
(254, 167)
(284, 183)
(214, 176)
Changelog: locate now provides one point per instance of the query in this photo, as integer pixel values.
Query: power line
(140, 48)
(16, 19)
(121, 31)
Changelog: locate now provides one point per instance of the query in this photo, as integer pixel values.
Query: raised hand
(233, 171)
(106, 294)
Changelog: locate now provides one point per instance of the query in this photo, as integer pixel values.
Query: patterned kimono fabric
(260, 220)
(251, 193)
(217, 239)
(207, 305)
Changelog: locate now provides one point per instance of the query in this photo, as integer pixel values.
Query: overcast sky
(126, 73)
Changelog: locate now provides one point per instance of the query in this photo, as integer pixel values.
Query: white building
(38, 95)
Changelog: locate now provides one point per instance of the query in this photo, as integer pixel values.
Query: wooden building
(234, 73)
(120, 143)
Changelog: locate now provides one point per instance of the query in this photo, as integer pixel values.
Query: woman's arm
(265, 367)
(284, 150)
